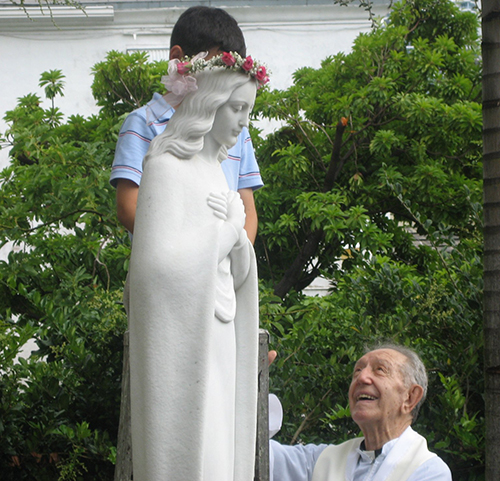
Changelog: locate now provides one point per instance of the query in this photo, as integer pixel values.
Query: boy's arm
(133, 143)
(126, 202)
(251, 220)
(248, 181)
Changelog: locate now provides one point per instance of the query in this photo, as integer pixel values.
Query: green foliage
(415, 110)
(60, 286)
(373, 181)
(53, 83)
(124, 82)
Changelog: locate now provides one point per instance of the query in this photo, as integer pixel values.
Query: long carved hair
(194, 118)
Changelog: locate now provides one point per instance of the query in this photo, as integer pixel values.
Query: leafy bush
(374, 182)
(61, 286)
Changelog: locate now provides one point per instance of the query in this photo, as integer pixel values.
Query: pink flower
(228, 59)
(261, 75)
(247, 64)
(183, 68)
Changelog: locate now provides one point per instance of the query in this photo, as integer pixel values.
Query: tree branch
(292, 276)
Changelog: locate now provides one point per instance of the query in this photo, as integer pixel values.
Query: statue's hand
(228, 207)
(235, 211)
(218, 202)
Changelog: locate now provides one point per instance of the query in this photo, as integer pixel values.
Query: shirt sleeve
(435, 469)
(293, 463)
(249, 175)
(133, 143)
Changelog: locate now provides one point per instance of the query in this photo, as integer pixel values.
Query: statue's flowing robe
(193, 376)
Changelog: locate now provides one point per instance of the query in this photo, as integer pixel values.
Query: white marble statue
(193, 316)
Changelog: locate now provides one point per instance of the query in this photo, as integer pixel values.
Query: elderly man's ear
(415, 394)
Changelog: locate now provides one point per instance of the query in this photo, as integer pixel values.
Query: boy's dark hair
(203, 28)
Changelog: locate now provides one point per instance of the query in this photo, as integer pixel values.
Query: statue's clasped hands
(228, 207)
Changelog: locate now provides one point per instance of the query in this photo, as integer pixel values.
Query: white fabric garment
(299, 463)
(193, 368)
(407, 453)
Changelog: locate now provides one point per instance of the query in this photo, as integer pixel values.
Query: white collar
(370, 456)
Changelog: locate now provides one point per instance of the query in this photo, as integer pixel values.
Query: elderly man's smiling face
(380, 400)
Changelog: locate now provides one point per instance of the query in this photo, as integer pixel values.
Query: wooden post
(123, 468)
(262, 448)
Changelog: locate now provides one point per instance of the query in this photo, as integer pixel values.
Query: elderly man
(388, 387)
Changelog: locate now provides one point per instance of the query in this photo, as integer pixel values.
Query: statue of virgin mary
(193, 316)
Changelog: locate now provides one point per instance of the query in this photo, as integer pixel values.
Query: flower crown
(180, 81)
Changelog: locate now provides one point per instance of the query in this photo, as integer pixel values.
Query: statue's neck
(210, 151)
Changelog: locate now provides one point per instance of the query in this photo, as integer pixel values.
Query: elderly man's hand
(271, 355)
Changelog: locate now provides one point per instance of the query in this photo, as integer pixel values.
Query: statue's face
(233, 115)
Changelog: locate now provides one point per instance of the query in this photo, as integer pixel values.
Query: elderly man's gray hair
(414, 371)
